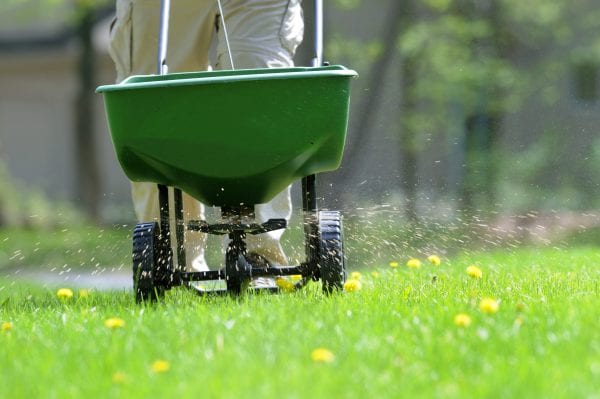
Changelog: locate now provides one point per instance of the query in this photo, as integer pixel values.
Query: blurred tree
(88, 176)
(464, 65)
(485, 57)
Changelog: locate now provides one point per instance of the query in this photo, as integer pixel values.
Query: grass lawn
(81, 246)
(396, 337)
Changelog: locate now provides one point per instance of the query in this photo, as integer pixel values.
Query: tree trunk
(478, 191)
(408, 151)
(366, 111)
(88, 176)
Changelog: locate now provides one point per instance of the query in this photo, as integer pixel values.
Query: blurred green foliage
(488, 59)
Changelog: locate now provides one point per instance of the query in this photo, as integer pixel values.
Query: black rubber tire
(150, 262)
(331, 251)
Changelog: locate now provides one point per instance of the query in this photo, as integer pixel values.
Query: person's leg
(134, 36)
(133, 47)
(263, 33)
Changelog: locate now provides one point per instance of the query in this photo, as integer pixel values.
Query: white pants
(262, 33)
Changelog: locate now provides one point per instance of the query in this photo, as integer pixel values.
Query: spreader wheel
(150, 263)
(331, 251)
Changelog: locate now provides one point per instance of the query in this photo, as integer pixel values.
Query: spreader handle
(317, 60)
(163, 37)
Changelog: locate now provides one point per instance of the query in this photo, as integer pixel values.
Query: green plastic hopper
(230, 137)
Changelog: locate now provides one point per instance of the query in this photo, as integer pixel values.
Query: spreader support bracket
(229, 228)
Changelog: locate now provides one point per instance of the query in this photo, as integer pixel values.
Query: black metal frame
(238, 272)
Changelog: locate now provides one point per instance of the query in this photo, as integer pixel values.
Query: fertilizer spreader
(231, 139)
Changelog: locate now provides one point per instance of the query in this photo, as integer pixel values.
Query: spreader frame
(162, 273)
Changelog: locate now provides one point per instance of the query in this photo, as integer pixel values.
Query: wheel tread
(146, 258)
(331, 259)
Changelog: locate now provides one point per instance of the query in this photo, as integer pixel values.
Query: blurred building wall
(38, 91)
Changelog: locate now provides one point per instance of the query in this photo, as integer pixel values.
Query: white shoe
(263, 282)
(199, 264)
(259, 261)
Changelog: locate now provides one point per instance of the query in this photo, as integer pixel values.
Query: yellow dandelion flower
(413, 263)
(114, 322)
(393, 264)
(356, 275)
(462, 320)
(160, 366)
(6, 326)
(295, 278)
(352, 285)
(474, 272)
(119, 378)
(84, 293)
(284, 284)
(375, 274)
(489, 305)
(322, 355)
(64, 293)
(434, 260)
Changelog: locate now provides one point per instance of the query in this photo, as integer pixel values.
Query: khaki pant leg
(263, 33)
(133, 47)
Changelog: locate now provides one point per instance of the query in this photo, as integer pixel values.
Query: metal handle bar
(163, 37)
(317, 60)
